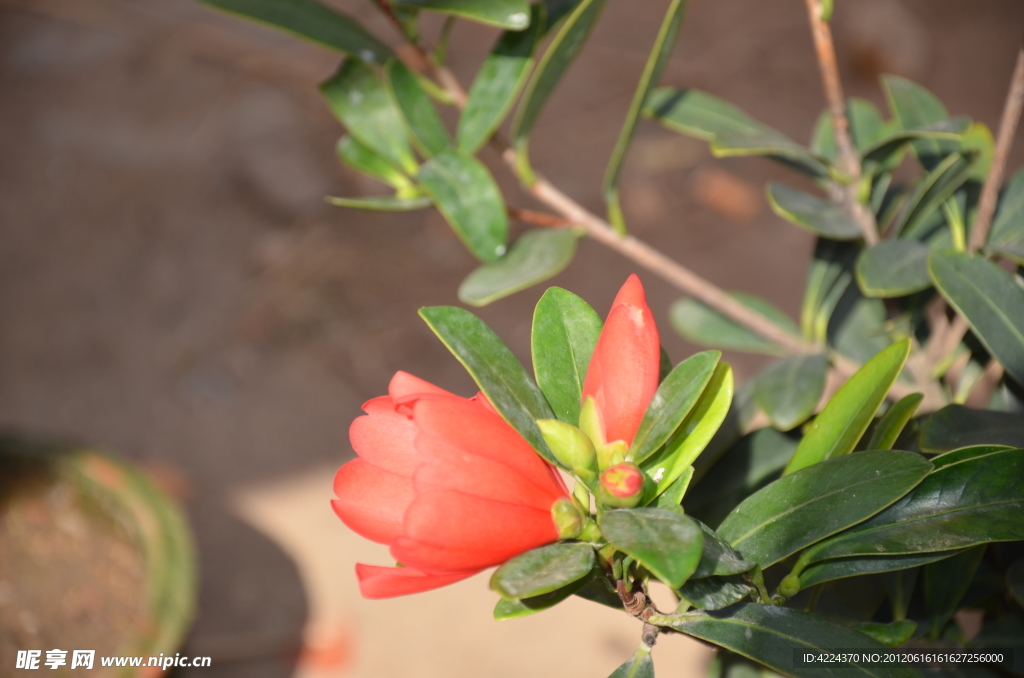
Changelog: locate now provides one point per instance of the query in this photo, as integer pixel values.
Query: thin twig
(1007, 129)
(537, 218)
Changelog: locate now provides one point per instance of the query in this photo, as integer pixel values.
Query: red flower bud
(621, 486)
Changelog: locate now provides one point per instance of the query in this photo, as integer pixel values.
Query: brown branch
(1007, 128)
(537, 218)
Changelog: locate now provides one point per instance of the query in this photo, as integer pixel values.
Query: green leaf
(827, 279)
(673, 497)
(893, 422)
(497, 84)
(536, 256)
(358, 98)
(841, 568)
(543, 570)
(665, 542)
(693, 435)
(495, 370)
(598, 590)
(894, 268)
(773, 145)
(965, 453)
(957, 506)
(774, 636)
(718, 559)
(956, 426)
(892, 634)
(465, 193)
(656, 62)
(311, 21)
(566, 44)
(789, 390)
(565, 332)
(847, 415)
(866, 124)
(1015, 581)
(881, 151)
(857, 328)
(823, 139)
(511, 14)
(366, 161)
(523, 607)
(818, 501)
(989, 298)
(1008, 224)
(821, 217)
(674, 399)
(715, 593)
(381, 203)
(695, 321)
(946, 582)
(640, 665)
(931, 192)
(916, 107)
(425, 128)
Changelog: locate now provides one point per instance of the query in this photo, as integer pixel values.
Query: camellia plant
(864, 492)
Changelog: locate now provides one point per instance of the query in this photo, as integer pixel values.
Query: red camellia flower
(623, 373)
(446, 483)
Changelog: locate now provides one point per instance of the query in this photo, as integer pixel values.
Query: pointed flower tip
(632, 293)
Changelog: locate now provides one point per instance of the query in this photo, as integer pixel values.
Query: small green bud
(611, 454)
(621, 486)
(571, 447)
(790, 585)
(591, 423)
(567, 518)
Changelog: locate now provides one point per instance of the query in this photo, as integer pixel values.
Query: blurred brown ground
(173, 288)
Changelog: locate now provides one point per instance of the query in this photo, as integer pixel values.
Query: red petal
(371, 501)
(385, 438)
(388, 582)
(623, 372)
(404, 385)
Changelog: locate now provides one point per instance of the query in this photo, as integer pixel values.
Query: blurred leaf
(523, 607)
(421, 120)
(882, 150)
(313, 21)
(718, 559)
(495, 370)
(916, 107)
(511, 14)
(558, 10)
(931, 191)
(715, 593)
(565, 332)
(598, 590)
(359, 100)
(497, 84)
(893, 268)
(821, 217)
(381, 203)
(537, 255)
(892, 634)
(894, 421)
(829, 275)
(640, 665)
(978, 140)
(366, 161)
(465, 193)
(866, 124)
(695, 321)
(673, 400)
(841, 568)
(946, 582)
(823, 138)
(957, 426)
(989, 298)
(788, 390)
(957, 506)
(661, 50)
(857, 327)
(665, 542)
(1008, 225)
(1015, 581)
(818, 501)
(543, 570)
(846, 417)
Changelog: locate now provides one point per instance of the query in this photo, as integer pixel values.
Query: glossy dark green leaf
(501, 77)
(882, 150)
(673, 497)
(892, 634)
(715, 593)
(1008, 224)
(894, 268)
(695, 432)
(514, 608)
(828, 276)
(841, 568)
(894, 421)
(857, 327)
(842, 422)
(1015, 581)
(543, 570)
(511, 14)
(718, 559)
(703, 325)
(789, 390)
(640, 665)
(957, 506)
(965, 453)
(989, 298)
(536, 256)
(821, 217)
(495, 370)
(945, 583)
(818, 501)
(931, 192)
(425, 128)
(673, 400)
(381, 203)
(465, 193)
(656, 62)
(957, 426)
(773, 635)
(366, 161)
(915, 107)
(358, 98)
(565, 332)
(313, 21)
(665, 542)
(563, 49)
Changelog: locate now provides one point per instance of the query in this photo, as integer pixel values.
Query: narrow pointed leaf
(789, 390)
(665, 542)
(807, 506)
(313, 21)
(495, 370)
(640, 665)
(820, 217)
(989, 298)
(497, 84)
(366, 161)
(957, 426)
(847, 415)
(558, 10)
(894, 421)
(841, 568)
(543, 570)
(703, 325)
(965, 453)
(827, 278)
(773, 145)
(536, 256)
(931, 192)
(421, 120)
(382, 203)
(894, 268)
(565, 332)
(673, 497)
(511, 14)
(465, 193)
